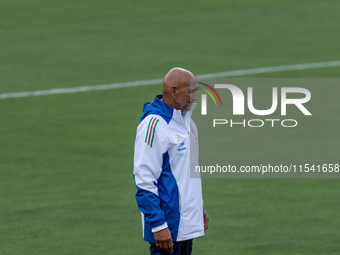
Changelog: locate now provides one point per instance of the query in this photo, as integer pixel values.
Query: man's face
(186, 96)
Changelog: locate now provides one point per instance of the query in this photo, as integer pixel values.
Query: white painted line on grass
(270, 69)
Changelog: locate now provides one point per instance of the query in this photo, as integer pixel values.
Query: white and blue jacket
(166, 195)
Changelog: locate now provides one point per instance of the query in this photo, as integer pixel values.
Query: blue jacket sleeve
(148, 157)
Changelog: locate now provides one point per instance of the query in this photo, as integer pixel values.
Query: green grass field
(66, 161)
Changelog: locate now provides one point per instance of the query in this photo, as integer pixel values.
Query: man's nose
(194, 97)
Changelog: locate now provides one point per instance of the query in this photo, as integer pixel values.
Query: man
(170, 201)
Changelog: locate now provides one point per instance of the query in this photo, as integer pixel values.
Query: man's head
(177, 91)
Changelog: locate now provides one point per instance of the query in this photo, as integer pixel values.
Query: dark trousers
(180, 248)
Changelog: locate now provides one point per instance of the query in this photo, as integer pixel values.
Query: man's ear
(173, 91)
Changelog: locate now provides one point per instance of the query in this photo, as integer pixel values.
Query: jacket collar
(157, 106)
